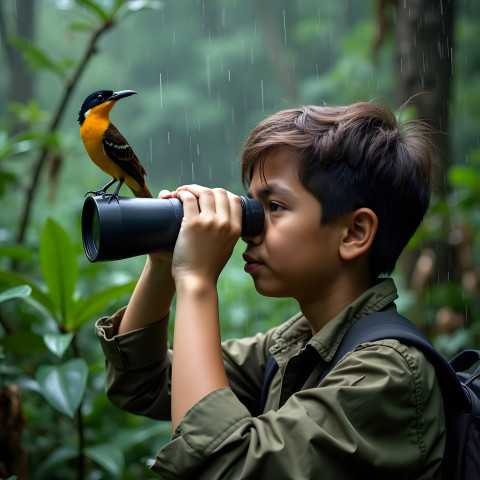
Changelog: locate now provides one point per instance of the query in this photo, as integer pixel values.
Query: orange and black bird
(107, 147)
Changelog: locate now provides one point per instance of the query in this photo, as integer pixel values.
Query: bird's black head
(99, 97)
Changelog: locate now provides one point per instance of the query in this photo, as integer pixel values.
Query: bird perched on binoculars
(107, 147)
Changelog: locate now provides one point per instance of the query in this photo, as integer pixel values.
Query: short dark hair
(351, 157)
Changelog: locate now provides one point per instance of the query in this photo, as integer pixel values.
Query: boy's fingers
(190, 204)
(222, 205)
(236, 211)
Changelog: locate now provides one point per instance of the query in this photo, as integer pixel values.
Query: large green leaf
(63, 386)
(14, 279)
(59, 267)
(15, 292)
(92, 306)
(108, 456)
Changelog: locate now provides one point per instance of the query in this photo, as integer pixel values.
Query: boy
(343, 191)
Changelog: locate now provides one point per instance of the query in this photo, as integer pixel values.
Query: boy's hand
(211, 226)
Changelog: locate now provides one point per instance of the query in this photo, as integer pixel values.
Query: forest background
(206, 72)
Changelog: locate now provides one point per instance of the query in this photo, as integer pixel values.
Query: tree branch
(41, 160)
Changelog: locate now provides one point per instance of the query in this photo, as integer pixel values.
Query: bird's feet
(112, 196)
(96, 193)
(103, 193)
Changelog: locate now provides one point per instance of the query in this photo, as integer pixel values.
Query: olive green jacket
(377, 414)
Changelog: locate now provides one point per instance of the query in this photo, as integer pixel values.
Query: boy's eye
(275, 207)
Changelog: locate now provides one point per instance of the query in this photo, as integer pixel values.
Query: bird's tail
(142, 192)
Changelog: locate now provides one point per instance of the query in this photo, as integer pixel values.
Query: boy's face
(295, 256)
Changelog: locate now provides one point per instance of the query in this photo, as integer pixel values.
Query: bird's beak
(121, 94)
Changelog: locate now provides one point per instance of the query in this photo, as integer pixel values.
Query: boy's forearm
(197, 367)
(151, 298)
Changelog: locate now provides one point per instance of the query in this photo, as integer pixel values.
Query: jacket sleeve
(137, 370)
(138, 367)
(378, 414)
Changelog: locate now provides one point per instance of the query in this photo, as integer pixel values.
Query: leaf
(58, 343)
(92, 6)
(63, 386)
(92, 306)
(16, 253)
(107, 456)
(134, 6)
(15, 279)
(36, 58)
(24, 342)
(16, 292)
(464, 176)
(48, 467)
(59, 267)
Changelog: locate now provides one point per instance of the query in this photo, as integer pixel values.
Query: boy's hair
(351, 157)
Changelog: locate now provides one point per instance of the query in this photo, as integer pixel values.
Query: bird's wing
(118, 149)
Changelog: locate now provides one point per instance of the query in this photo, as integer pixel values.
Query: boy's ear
(360, 229)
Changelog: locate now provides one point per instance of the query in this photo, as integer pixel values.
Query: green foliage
(207, 72)
(63, 386)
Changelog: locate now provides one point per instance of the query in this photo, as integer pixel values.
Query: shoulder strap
(389, 324)
(380, 326)
(270, 371)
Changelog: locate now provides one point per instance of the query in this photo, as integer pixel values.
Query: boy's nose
(253, 239)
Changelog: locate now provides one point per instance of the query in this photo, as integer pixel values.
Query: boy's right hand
(211, 226)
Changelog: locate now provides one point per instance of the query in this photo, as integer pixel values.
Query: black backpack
(460, 392)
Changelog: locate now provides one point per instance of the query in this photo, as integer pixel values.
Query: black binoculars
(113, 229)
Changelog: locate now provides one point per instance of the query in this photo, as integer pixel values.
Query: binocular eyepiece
(136, 226)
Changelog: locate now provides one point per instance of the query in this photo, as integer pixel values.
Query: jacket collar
(295, 335)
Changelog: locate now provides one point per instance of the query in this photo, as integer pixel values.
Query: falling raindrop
(263, 103)
(168, 138)
(284, 28)
(161, 93)
(209, 86)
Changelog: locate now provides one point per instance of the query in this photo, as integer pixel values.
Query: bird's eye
(100, 97)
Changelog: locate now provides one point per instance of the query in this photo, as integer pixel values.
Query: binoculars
(114, 229)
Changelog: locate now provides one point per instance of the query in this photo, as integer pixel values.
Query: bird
(107, 147)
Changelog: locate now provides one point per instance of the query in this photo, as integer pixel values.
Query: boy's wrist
(160, 261)
(194, 284)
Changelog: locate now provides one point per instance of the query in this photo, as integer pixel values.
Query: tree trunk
(20, 87)
(424, 37)
(425, 68)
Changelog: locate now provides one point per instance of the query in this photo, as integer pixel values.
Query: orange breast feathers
(110, 151)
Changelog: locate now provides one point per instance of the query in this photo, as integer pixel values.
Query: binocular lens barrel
(135, 226)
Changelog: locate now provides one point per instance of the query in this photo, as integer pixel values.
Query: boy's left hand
(211, 226)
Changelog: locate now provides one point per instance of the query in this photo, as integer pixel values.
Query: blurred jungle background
(207, 72)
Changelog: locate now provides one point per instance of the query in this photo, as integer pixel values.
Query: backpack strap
(390, 324)
(270, 371)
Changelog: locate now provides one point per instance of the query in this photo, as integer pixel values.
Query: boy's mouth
(251, 263)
